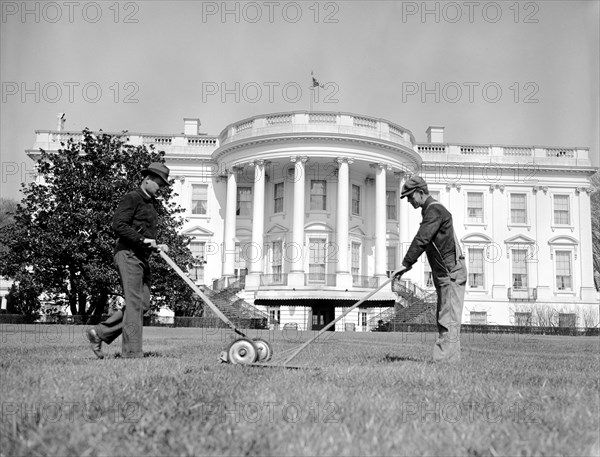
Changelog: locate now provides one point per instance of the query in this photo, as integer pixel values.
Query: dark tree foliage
(61, 242)
(595, 203)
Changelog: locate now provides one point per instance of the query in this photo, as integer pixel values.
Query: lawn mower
(256, 352)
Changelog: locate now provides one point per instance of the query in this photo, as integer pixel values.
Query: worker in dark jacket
(134, 222)
(436, 237)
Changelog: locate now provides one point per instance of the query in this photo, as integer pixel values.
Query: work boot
(95, 341)
(446, 350)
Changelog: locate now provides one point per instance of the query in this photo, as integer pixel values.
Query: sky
(506, 72)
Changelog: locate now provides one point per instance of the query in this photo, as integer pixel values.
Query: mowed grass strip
(361, 394)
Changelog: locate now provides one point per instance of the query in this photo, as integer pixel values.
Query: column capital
(455, 185)
(579, 190)
(381, 166)
(302, 159)
(402, 175)
(233, 169)
(341, 160)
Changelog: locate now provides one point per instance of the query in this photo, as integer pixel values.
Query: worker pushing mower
(135, 224)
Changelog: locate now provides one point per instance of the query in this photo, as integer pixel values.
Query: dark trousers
(135, 280)
(451, 297)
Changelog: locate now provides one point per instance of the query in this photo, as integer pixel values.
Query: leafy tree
(62, 232)
(24, 296)
(8, 208)
(595, 203)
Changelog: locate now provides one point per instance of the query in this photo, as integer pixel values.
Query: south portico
(337, 162)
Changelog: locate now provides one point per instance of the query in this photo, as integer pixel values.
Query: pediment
(197, 231)
(318, 227)
(356, 230)
(476, 238)
(563, 240)
(277, 229)
(519, 239)
(391, 235)
(242, 234)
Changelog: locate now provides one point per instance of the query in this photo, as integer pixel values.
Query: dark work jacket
(133, 221)
(436, 228)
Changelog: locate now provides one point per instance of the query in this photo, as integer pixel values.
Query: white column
(296, 252)
(230, 222)
(258, 218)
(343, 216)
(380, 220)
(403, 213)
(585, 240)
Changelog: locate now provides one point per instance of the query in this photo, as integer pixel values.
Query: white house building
(305, 206)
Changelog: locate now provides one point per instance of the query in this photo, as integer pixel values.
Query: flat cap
(413, 183)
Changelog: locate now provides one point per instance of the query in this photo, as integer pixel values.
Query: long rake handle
(332, 323)
(195, 288)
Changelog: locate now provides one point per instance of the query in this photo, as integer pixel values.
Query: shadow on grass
(146, 354)
(394, 358)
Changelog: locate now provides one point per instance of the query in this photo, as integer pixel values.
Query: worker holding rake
(437, 238)
(134, 222)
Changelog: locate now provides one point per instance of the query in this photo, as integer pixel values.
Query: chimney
(191, 126)
(61, 121)
(435, 134)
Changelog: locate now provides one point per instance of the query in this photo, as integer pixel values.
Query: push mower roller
(247, 351)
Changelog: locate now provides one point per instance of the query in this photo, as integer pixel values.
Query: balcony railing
(313, 279)
(299, 122)
(522, 294)
(280, 279)
(367, 282)
(498, 154)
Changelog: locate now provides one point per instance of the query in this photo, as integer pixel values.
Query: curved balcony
(305, 122)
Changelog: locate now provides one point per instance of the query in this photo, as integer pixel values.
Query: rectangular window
(391, 205)
(317, 256)
(475, 206)
(199, 199)
(318, 195)
(355, 199)
(567, 320)
(428, 275)
(518, 208)
(278, 198)
(240, 268)
(476, 268)
(478, 318)
(519, 269)
(197, 249)
(392, 252)
(523, 319)
(561, 209)
(197, 270)
(355, 259)
(274, 316)
(277, 261)
(563, 270)
(244, 201)
(363, 320)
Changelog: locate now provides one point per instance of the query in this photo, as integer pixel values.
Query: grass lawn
(363, 394)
